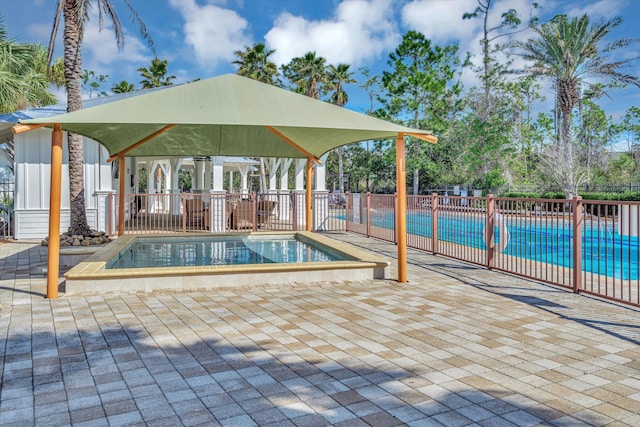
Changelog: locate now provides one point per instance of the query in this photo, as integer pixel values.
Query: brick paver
(457, 345)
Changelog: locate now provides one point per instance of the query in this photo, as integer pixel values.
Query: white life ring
(503, 234)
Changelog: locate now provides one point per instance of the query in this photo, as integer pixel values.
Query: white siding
(33, 176)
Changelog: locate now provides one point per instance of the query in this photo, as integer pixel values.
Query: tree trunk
(416, 181)
(570, 183)
(73, 76)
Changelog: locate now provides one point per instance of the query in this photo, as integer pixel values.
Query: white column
(218, 173)
(151, 183)
(136, 176)
(208, 165)
(198, 174)
(284, 199)
(231, 182)
(104, 174)
(162, 202)
(272, 165)
(216, 212)
(299, 170)
(321, 197)
(244, 175)
(104, 211)
(320, 174)
(301, 206)
(158, 178)
(175, 163)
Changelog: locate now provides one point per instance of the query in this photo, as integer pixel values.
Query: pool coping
(93, 269)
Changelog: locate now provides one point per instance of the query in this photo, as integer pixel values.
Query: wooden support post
(53, 258)
(401, 185)
(121, 197)
(309, 193)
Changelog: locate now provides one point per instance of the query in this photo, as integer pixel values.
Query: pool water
(604, 251)
(220, 250)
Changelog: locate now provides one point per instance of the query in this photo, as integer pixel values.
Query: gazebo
(227, 115)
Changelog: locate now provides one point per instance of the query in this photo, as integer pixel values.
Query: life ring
(503, 234)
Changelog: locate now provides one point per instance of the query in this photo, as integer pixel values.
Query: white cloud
(213, 32)
(360, 30)
(100, 49)
(441, 20)
(599, 9)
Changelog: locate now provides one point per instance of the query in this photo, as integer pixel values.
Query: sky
(198, 37)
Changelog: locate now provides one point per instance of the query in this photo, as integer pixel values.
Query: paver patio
(457, 345)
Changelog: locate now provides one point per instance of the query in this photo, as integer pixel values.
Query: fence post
(434, 223)
(395, 218)
(184, 211)
(489, 230)
(255, 211)
(368, 214)
(346, 211)
(110, 214)
(294, 194)
(577, 243)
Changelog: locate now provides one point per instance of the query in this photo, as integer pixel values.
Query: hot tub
(191, 262)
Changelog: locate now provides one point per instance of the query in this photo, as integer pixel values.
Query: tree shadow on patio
(26, 262)
(127, 375)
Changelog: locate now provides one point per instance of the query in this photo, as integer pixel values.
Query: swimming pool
(187, 262)
(224, 250)
(604, 251)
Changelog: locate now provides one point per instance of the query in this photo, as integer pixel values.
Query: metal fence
(7, 189)
(588, 247)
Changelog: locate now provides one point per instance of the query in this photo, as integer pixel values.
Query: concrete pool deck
(458, 345)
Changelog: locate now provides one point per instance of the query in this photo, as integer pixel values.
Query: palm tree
(566, 52)
(54, 70)
(308, 73)
(23, 79)
(76, 14)
(337, 77)
(254, 63)
(122, 87)
(156, 74)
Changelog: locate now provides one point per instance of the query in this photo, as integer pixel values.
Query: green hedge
(516, 195)
(629, 196)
